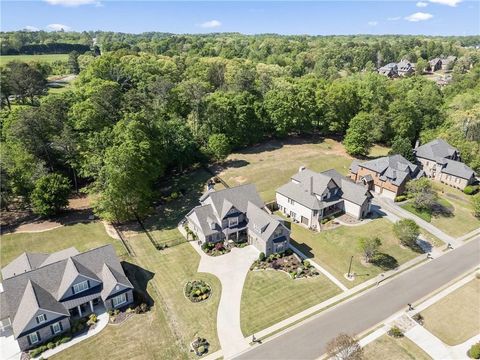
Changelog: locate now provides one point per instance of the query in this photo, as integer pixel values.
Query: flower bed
(118, 316)
(288, 262)
(200, 346)
(197, 290)
(215, 249)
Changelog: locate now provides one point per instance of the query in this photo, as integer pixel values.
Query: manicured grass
(462, 221)
(455, 318)
(81, 236)
(333, 249)
(271, 296)
(386, 347)
(422, 214)
(271, 164)
(5, 59)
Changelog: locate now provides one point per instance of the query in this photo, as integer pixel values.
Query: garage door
(389, 194)
(378, 189)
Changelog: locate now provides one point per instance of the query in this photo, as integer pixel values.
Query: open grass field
(456, 217)
(271, 164)
(272, 296)
(455, 318)
(386, 347)
(333, 249)
(5, 59)
(81, 236)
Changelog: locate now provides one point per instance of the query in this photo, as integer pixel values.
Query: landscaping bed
(215, 249)
(197, 290)
(288, 262)
(200, 346)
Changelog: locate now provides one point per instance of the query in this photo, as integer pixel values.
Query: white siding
(298, 209)
(352, 209)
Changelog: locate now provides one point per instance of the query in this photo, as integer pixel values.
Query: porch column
(91, 305)
(79, 310)
(237, 235)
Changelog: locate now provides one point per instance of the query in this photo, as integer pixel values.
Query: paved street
(308, 340)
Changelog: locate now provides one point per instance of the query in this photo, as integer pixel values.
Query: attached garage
(388, 193)
(352, 209)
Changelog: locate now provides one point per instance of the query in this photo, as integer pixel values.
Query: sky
(428, 17)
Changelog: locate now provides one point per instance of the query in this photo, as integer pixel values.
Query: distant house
(310, 197)
(43, 291)
(405, 68)
(435, 64)
(448, 62)
(238, 214)
(442, 162)
(386, 175)
(390, 70)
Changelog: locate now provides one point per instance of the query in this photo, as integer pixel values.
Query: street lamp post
(350, 267)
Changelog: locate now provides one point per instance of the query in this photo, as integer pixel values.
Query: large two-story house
(387, 175)
(42, 292)
(309, 197)
(238, 214)
(442, 162)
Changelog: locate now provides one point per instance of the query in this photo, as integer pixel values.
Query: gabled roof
(394, 168)
(238, 196)
(458, 169)
(72, 270)
(203, 216)
(111, 279)
(435, 150)
(260, 222)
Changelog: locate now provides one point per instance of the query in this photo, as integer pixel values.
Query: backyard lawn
(81, 236)
(271, 164)
(386, 347)
(455, 318)
(333, 249)
(5, 59)
(457, 218)
(271, 296)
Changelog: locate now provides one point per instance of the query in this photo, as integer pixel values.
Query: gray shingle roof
(203, 216)
(40, 287)
(435, 150)
(238, 196)
(394, 169)
(260, 222)
(458, 169)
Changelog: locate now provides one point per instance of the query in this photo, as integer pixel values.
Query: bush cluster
(400, 198)
(53, 343)
(200, 346)
(197, 290)
(471, 189)
(474, 351)
(395, 332)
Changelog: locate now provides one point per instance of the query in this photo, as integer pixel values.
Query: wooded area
(156, 103)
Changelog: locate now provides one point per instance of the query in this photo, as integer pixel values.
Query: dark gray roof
(435, 150)
(394, 169)
(458, 169)
(40, 288)
(260, 222)
(354, 166)
(4, 313)
(203, 216)
(238, 196)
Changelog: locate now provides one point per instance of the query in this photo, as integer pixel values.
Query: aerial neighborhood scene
(240, 180)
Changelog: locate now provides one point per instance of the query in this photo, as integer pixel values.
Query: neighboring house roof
(435, 61)
(435, 150)
(4, 314)
(261, 223)
(354, 166)
(40, 287)
(394, 169)
(458, 169)
(404, 65)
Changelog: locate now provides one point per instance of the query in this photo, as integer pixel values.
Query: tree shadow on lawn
(235, 163)
(385, 261)
(442, 210)
(139, 277)
(276, 144)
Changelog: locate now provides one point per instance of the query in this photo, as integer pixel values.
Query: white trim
(59, 328)
(121, 296)
(43, 318)
(36, 338)
(75, 291)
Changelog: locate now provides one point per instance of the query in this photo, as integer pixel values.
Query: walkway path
(101, 324)
(231, 269)
(390, 206)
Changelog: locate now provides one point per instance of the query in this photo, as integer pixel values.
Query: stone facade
(44, 333)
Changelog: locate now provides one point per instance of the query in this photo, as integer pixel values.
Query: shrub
(306, 264)
(143, 307)
(50, 345)
(418, 318)
(261, 256)
(219, 246)
(470, 189)
(92, 320)
(288, 252)
(400, 198)
(201, 350)
(198, 290)
(37, 351)
(474, 351)
(395, 332)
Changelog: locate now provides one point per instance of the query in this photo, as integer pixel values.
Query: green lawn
(272, 296)
(422, 214)
(4, 59)
(81, 236)
(333, 249)
(456, 317)
(386, 347)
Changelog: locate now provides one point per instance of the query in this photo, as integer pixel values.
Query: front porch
(92, 306)
(236, 235)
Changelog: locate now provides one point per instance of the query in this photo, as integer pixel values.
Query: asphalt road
(309, 340)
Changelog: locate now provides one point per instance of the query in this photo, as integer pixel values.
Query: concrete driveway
(231, 269)
(9, 349)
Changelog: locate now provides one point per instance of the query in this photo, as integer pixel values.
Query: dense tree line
(132, 117)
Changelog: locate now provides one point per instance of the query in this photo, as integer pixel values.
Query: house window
(233, 222)
(290, 201)
(41, 318)
(56, 328)
(82, 286)
(33, 337)
(119, 300)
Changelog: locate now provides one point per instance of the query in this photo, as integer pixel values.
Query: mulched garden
(217, 249)
(197, 290)
(288, 262)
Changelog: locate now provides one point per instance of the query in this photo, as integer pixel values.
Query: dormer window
(41, 318)
(233, 221)
(81, 286)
